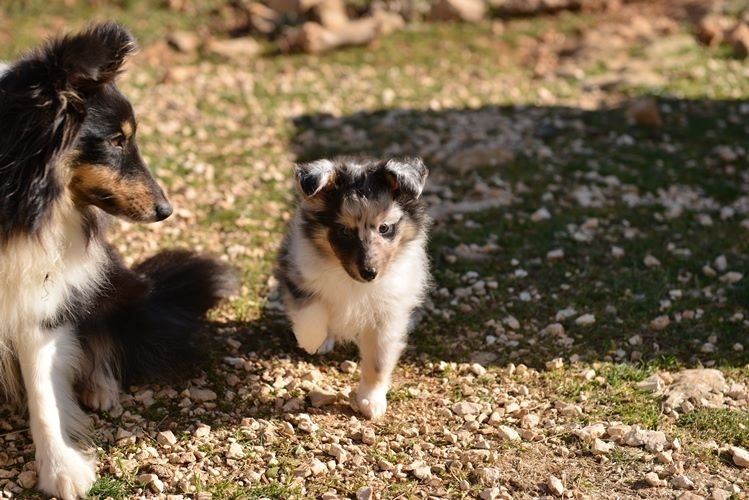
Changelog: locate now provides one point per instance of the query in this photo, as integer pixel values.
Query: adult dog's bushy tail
(148, 324)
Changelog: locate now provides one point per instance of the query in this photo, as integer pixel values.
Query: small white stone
(651, 261)
(478, 370)
(364, 493)
(565, 313)
(555, 486)
(740, 456)
(512, 322)
(720, 494)
(591, 432)
(336, 451)
(555, 364)
(553, 329)
(166, 438)
(653, 383)
(540, 214)
(348, 366)
(320, 398)
(317, 467)
(601, 447)
(585, 320)
(731, 277)
(682, 482)
(465, 408)
(720, 263)
(617, 252)
(235, 451)
(529, 421)
(507, 433)
(490, 494)
(556, 254)
(660, 323)
(27, 479)
(665, 457)
(202, 431)
(653, 480)
(202, 395)
(422, 472)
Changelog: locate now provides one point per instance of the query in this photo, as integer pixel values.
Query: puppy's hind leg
(48, 359)
(310, 324)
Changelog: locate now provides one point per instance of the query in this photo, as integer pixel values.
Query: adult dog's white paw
(65, 473)
(102, 393)
(371, 402)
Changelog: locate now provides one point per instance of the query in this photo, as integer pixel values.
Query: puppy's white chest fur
(353, 307)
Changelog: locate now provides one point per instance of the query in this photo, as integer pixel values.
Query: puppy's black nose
(368, 273)
(163, 210)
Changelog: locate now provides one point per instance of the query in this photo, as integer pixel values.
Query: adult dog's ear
(82, 63)
(313, 177)
(406, 175)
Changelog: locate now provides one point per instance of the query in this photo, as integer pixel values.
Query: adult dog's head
(68, 131)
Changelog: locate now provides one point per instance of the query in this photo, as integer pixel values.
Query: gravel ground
(585, 337)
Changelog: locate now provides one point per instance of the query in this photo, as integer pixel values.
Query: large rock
(331, 13)
(457, 10)
(315, 38)
(236, 48)
(699, 386)
(184, 41)
(264, 19)
(482, 155)
(739, 40)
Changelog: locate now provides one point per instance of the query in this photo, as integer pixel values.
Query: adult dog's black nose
(163, 210)
(368, 273)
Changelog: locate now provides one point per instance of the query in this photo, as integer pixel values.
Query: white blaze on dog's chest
(42, 275)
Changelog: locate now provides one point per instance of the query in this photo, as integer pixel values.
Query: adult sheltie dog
(354, 266)
(74, 321)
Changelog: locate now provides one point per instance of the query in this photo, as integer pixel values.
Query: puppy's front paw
(310, 343)
(65, 473)
(101, 393)
(326, 346)
(371, 402)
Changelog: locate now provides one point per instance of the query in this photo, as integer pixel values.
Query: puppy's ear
(82, 63)
(406, 175)
(313, 177)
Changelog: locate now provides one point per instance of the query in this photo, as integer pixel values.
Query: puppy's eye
(118, 141)
(385, 229)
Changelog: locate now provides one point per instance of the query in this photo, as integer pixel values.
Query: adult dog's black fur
(75, 322)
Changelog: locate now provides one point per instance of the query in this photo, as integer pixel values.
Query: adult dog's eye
(385, 229)
(118, 141)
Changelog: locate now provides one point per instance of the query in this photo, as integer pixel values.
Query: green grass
(109, 487)
(725, 426)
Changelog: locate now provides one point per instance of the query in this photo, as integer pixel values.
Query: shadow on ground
(566, 232)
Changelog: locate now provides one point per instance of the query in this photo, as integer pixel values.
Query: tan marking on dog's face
(127, 129)
(100, 185)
